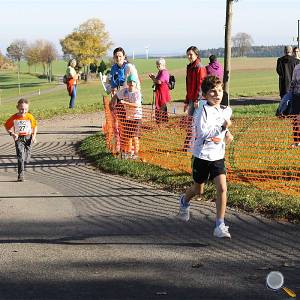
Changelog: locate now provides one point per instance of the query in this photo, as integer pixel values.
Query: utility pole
(227, 52)
(298, 32)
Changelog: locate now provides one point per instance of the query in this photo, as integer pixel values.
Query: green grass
(29, 84)
(56, 103)
(244, 196)
(250, 77)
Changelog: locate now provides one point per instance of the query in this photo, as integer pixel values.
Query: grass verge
(243, 196)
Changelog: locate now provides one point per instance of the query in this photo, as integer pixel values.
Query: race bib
(22, 127)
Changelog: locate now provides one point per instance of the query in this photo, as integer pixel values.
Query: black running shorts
(205, 169)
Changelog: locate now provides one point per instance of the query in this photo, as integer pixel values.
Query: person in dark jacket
(214, 68)
(285, 67)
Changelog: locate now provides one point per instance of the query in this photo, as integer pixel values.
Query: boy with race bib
(22, 126)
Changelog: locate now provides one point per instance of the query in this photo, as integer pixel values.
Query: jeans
(73, 97)
(23, 149)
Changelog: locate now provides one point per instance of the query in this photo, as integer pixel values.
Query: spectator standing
(195, 74)
(285, 67)
(296, 52)
(214, 68)
(121, 70)
(130, 96)
(119, 73)
(295, 109)
(72, 78)
(162, 92)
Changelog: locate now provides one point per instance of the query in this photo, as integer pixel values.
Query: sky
(163, 26)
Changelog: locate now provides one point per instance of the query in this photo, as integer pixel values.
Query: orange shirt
(22, 125)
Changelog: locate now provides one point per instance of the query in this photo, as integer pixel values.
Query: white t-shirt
(209, 137)
(131, 97)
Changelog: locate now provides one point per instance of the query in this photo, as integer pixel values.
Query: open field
(251, 77)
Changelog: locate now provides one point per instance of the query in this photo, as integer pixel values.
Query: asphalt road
(73, 232)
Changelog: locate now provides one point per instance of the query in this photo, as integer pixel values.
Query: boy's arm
(9, 126)
(207, 131)
(113, 101)
(137, 103)
(129, 103)
(34, 133)
(228, 137)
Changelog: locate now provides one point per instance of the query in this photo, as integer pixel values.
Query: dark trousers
(161, 114)
(23, 149)
(296, 131)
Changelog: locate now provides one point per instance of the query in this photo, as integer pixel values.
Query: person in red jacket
(195, 74)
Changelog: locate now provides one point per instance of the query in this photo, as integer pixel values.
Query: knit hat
(132, 77)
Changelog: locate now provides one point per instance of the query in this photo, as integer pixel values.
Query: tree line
(88, 44)
(253, 51)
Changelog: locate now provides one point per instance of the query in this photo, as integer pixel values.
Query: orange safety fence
(264, 152)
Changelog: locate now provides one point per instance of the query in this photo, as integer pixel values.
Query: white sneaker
(222, 231)
(295, 145)
(184, 209)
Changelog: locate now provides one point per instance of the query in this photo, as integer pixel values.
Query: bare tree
(227, 51)
(242, 42)
(16, 51)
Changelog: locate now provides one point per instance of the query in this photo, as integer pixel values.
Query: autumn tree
(32, 54)
(242, 42)
(5, 63)
(15, 51)
(88, 43)
(48, 54)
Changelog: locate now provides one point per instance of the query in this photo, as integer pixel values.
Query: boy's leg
(20, 150)
(200, 175)
(28, 148)
(221, 187)
(221, 230)
(136, 141)
(195, 189)
(129, 146)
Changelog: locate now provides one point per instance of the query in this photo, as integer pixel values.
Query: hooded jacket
(285, 67)
(215, 69)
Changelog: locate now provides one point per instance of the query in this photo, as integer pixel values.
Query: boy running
(22, 127)
(211, 129)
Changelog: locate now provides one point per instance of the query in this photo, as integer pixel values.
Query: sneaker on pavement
(184, 209)
(295, 145)
(222, 231)
(21, 178)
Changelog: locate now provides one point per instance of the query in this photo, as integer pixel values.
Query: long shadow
(23, 85)
(68, 132)
(249, 101)
(99, 287)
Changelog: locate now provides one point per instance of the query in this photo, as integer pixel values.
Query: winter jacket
(215, 69)
(195, 74)
(284, 68)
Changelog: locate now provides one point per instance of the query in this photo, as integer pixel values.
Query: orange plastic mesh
(262, 152)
